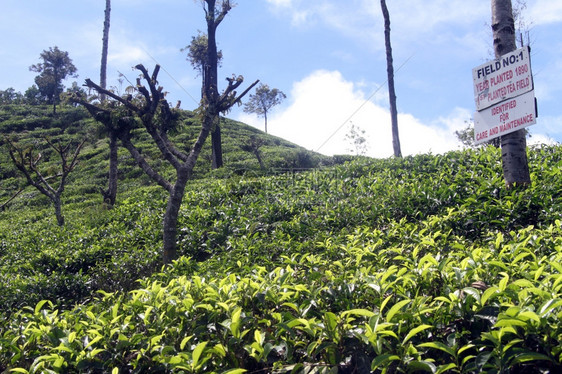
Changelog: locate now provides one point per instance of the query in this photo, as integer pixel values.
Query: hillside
(30, 124)
(420, 264)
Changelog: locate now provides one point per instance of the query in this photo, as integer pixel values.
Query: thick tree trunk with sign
(514, 145)
(391, 91)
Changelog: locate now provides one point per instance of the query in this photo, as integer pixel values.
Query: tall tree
(514, 145)
(214, 15)
(110, 194)
(391, 91)
(151, 109)
(197, 55)
(56, 66)
(105, 47)
(263, 100)
(27, 162)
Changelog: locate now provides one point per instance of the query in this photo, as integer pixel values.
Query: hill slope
(421, 264)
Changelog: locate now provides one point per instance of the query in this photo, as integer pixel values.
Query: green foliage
(56, 65)
(420, 264)
(263, 100)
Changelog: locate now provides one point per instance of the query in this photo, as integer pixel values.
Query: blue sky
(327, 56)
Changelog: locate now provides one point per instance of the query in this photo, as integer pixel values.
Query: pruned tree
(56, 66)
(215, 12)
(263, 100)
(197, 55)
(514, 145)
(151, 110)
(253, 145)
(109, 194)
(27, 161)
(391, 91)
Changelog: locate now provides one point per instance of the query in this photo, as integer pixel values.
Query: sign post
(504, 96)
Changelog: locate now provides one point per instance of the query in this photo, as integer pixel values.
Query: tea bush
(421, 264)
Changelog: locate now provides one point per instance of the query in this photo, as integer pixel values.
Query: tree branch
(118, 98)
(155, 176)
(228, 98)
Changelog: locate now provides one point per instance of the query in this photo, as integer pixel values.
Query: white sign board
(501, 79)
(508, 116)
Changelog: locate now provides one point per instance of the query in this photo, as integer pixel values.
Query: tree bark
(391, 91)
(58, 210)
(170, 222)
(514, 145)
(104, 49)
(110, 194)
(27, 163)
(184, 172)
(211, 74)
(216, 142)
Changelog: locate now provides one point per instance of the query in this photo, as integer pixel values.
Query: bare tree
(391, 91)
(110, 194)
(357, 141)
(514, 145)
(105, 47)
(253, 145)
(151, 109)
(27, 162)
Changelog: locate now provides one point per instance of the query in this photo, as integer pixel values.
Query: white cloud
(545, 12)
(540, 139)
(550, 125)
(281, 3)
(323, 105)
(358, 18)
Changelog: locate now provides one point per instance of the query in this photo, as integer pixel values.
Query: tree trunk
(170, 222)
(184, 172)
(111, 194)
(104, 49)
(257, 153)
(265, 118)
(216, 142)
(58, 209)
(514, 145)
(391, 91)
(211, 81)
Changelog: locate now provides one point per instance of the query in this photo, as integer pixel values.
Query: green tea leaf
(383, 359)
(358, 312)
(197, 354)
(395, 309)
(415, 331)
(235, 371)
(440, 346)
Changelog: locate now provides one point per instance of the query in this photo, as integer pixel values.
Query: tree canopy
(56, 66)
(263, 100)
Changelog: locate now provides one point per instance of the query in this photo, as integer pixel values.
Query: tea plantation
(425, 264)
